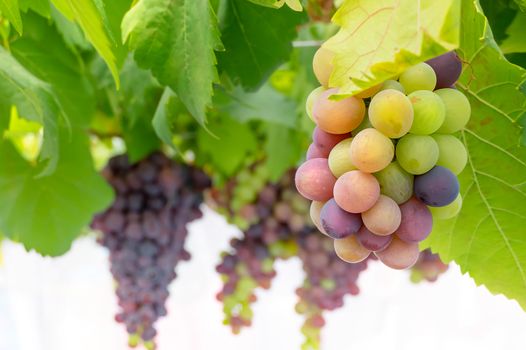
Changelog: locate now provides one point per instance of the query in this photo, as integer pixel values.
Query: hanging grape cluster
(378, 175)
(280, 229)
(145, 231)
(428, 267)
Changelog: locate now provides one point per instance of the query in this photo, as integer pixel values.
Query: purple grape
(447, 68)
(438, 187)
(371, 241)
(417, 221)
(338, 223)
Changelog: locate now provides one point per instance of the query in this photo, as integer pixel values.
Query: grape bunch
(383, 163)
(428, 267)
(280, 229)
(145, 231)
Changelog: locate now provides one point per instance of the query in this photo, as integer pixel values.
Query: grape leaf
(38, 211)
(41, 7)
(90, 19)
(169, 109)
(176, 40)
(516, 41)
(230, 145)
(487, 238)
(276, 4)
(10, 10)
(257, 40)
(279, 158)
(521, 4)
(379, 39)
(43, 52)
(265, 104)
(35, 101)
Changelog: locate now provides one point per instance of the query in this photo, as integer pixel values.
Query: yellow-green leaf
(9, 9)
(379, 39)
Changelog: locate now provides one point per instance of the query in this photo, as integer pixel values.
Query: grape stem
(307, 43)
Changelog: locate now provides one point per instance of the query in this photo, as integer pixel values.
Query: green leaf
(176, 40)
(521, 4)
(70, 31)
(379, 39)
(9, 9)
(90, 19)
(283, 148)
(266, 104)
(35, 100)
(500, 14)
(516, 40)
(42, 7)
(140, 139)
(169, 109)
(228, 149)
(114, 11)
(48, 213)
(43, 52)
(487, 238)
(276, 4)
(257, 40)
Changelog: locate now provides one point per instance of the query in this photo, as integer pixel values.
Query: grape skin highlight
(391, 113)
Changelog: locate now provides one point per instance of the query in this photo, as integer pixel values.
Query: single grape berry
(438, 187)
(338, 223)
(416, 223)
(447, 68)
(371, 241)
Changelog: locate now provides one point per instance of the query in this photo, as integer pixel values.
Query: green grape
(458, 110)
(340, 158)
(429, 112)
(448, 211)
(452, 153)
(391, 113)
(418, 77)
(395, 183)
(394, 85)
(417, 154)
(313, 96)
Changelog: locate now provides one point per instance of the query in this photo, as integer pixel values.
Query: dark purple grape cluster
(145, 231)
(281, 229)
(428, 267)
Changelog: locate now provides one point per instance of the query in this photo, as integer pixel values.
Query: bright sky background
(68, 303)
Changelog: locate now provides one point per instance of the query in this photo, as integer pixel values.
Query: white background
(68, 303)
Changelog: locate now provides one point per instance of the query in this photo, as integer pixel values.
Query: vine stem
(307, 43)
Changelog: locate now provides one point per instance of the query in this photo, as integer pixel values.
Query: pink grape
(417, 221)
(399, 255)
(356, 191)
(326, 141)
(314, 180)
(315, 152)
(383, 218)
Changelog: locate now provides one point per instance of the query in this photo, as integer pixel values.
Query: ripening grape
(416, 223)
(314, 180)
(338, 223)
(399, 255)
(418, 77)
(356, 191)
(322, 65)
(417, 154)
(338, 116)
(315, 152)
(315, 211)
(313, 96)
(393, 84)
(371, 241)
(448, 211)
(371, 151)
(325, 141)
(369, 92)
(438, 187)
(383, 218)
(349, 249)
(458, 110)
(447, 68)
(391, 113)
(395, 182)
(452, 153)
(429, 112)
(340, 158)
